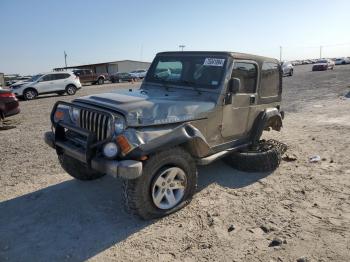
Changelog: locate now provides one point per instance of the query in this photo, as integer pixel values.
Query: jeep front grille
(98, 123)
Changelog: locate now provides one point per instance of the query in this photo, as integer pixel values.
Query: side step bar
(209, 159)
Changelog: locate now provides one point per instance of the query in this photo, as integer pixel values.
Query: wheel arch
(270, 118)
(186, 136)
(30, 88)
(70, 84)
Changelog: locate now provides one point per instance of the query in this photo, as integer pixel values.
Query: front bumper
(128, 169)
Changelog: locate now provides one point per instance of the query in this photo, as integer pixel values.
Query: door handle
(252, 99)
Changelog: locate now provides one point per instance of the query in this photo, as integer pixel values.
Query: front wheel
(167, 184)
(30, 94)
(291, 72)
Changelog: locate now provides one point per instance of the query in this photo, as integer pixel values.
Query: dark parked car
(87, 76)
(121, 77)
(323, 64)
(8, 104)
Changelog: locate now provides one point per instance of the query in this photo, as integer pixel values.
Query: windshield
(196, 71)
(322, 61)
(35, 78)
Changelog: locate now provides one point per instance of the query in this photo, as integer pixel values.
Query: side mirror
(232, 88)
(234, 85)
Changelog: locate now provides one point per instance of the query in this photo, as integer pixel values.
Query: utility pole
(65, 58)
(280, 53)
(321, 52)
(182, 47)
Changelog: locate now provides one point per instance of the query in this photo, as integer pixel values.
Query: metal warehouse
(110, 67)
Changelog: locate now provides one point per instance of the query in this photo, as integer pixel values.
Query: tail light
(7, 95)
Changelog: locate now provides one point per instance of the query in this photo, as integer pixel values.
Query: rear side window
(270, 80)
(247, 73)
(61, 76)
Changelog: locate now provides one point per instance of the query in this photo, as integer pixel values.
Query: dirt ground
(303, 208)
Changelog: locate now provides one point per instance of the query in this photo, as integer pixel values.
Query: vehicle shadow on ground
(226, 176)
(74, 220)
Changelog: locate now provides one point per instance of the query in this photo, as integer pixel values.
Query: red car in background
(9, 105)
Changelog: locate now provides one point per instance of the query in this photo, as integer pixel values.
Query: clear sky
(34, 34)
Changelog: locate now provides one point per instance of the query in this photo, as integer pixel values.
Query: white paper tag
(214, 62)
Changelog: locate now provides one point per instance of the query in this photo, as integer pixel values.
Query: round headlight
(74, 114)
(110, 150)
(119, 125)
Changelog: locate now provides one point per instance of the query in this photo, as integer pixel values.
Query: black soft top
(234, 55)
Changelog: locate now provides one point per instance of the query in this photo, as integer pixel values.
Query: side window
(49, 77)
(61, 76)
(248, 74)
(270, 80)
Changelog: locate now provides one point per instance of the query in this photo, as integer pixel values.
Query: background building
(110, 67)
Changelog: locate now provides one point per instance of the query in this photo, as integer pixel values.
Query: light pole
(65, 58)
(182, 47)
(321, 51)
(280, 53)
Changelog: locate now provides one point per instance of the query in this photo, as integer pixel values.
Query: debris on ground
(314, 159)
(303, 259)
(231, 228)
(276, 242)
(289, 157)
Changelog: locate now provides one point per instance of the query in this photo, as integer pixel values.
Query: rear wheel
(167, 184)
(100, 81)
(30, 94)
(264, 157)
(71, 90)
(77, 169)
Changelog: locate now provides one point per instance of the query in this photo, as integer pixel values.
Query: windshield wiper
(192, 84)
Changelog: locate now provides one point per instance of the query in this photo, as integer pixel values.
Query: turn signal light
(124, 144)
(59, 115)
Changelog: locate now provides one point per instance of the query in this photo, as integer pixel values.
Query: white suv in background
(139, 73)
(53, 82)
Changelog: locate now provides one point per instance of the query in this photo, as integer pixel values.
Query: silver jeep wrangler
(192, 108)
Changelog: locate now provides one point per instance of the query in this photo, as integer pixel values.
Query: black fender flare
(185, 135)
(269, 118)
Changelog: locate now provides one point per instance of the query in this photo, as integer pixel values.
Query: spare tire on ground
(263, 157)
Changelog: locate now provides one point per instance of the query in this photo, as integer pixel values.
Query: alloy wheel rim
(30, 95)
(169, 188)
(70, 90)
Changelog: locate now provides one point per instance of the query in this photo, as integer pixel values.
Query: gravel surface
(300, 212)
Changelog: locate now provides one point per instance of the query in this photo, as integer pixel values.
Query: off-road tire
(77, 169)
(26, 95)
(100, 81)
(71, 90)
(137, 192)
(265, 157)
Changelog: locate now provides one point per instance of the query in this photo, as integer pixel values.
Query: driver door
(236, 114)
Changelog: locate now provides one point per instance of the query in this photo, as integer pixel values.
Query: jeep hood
(142, 108)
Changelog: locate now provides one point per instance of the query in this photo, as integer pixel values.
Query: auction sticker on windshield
(214, 62)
